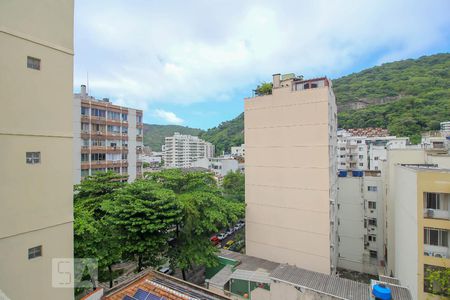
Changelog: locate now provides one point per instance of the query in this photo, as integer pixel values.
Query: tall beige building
(36, 74)
(290, 174)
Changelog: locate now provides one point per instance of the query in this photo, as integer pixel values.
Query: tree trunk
(139, 262)
(110, 276)
(183, 271)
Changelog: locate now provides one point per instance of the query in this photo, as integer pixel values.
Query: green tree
(93, 235)
(204, 211)
(264, 88)
(234, 186)
(437, 280)
(143, 212)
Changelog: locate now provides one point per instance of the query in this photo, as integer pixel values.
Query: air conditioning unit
(439, 255)
(428, 253)
(430, 213)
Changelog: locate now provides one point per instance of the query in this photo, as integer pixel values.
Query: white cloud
(193, 51)
(168, 117)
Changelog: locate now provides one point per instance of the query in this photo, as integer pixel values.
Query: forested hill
(154, 134)
(420, 88)
(226, 135)
(415, 93)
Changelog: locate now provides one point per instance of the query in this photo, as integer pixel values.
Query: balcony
(431, 213)
(436, 251)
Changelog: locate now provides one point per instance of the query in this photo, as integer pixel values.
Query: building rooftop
(369, 132)
(160, 286)
(340, 288)
(249, 263)
(322, 283)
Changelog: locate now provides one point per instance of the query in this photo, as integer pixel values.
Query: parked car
(166, 270)
(222, 236)
(230, 231)
(228, 244)
(215, 240)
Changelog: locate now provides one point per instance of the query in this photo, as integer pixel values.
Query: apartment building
(365, 148)
(220, 166)
(422, 226)
(107, 137)
(238, 151)
(36, 216)
(360, 215)
(290, 173)
(412, 154)
(180, 151)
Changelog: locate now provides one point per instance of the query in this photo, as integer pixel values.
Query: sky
(193, 62)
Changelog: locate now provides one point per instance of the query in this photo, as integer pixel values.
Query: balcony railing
(436, 214)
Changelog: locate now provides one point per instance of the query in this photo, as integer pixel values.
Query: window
(98, 112)
(34, 252)
(33, 63)
(360, 148)
(361, 164)
(98, 143)
(372, 222)
(375, 158)
(125, 130)
(358, 141)
(85, 127)
(33, 158)
(313, 85)
(433, 201)
(371, 188)
(139, 119)
(112, 115)
(124, 156)
(98, 156)
(373, 254)
(360, 156)
(84, 173)
(85, 143)
(84, 111)
(342, 148)
(372, 205)
(376, 168)
(84, 157)
(372, 238)
(435, 237)
(306, 86)
(124, 117)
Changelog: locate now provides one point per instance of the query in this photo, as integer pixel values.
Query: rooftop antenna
(87, 83)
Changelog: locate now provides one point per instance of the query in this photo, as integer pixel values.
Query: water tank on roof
(382, 292)
(342, 173)
(357, 173)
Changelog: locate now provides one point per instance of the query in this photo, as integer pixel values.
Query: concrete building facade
(107, 137)
(180, 151)
(290, 174)
(238, 151)
(360, 203)
(362, 152)
(36, 75)
(220, 166)
(422, 226)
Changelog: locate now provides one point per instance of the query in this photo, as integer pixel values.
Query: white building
(238, 151)
(180, 151)
(360, 221)
(363, 151)
(220, 166)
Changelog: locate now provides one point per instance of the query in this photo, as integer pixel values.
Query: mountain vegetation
(420, 89)
(226, 135)
(154, 134)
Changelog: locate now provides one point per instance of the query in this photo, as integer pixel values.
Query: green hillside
(227, 134)
(154, 134)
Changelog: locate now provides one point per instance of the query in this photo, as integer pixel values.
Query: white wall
(406, 251)
(132, 157)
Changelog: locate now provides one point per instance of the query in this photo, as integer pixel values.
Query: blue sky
(192, 62)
